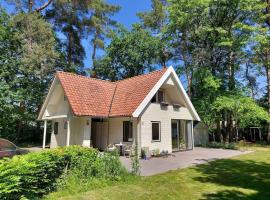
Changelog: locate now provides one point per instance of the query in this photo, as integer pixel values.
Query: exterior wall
(61, 138)
(79, 132)
(154, 112)
(201, 136)
(116, 129)
(57, 104)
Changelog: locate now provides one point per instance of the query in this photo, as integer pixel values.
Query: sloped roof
(95, 97)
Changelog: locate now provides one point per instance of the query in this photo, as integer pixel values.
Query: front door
(175, 135)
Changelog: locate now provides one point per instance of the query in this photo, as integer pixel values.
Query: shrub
(219, 145)
(35, 174)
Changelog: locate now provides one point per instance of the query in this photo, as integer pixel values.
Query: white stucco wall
(79, 131)
(154, 112)
(116, 129)
(164, 115)
(57, 104)
(60, 138)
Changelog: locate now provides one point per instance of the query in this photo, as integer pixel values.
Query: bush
(219, 145)
(32, 175)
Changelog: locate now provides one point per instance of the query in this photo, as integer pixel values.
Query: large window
(155, 131)
(127, 131)
(158, 97)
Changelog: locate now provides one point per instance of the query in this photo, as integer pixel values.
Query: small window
(158, 97)
(127, 131)
(55, 128)
(65, 97)
(155, 131)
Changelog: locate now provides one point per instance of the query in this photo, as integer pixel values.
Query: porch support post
(68, 132)
(44, 134)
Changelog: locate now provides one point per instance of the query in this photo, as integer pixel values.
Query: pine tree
(99, 26)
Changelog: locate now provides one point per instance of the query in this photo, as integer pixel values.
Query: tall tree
(156, 18)
(26, 71)
(28, 6)
(261, 49)
(99, 26)
(67, 19)
(9, 61)
(155, 21)
(130, 53)
(211, 48)
(37, 61)
(186, 21)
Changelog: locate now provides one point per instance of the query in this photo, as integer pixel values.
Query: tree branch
(44, 6)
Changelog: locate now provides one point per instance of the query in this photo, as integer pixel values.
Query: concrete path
(182, 159)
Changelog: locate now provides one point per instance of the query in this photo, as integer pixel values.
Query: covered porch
(89, 132)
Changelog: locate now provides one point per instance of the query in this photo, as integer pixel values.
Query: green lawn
(242, 177)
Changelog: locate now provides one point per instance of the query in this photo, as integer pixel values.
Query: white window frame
(159, 126)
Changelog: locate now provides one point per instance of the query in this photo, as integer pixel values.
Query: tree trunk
(218, 131)
(69, 48)
(231, 72)
(189, 79)
(19, 122)
(268, 98)
(94, 56)
(188, 70)
(30, 6)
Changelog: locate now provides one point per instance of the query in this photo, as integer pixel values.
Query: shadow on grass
(242, 174)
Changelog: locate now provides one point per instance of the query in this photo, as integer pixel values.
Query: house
(152, 109)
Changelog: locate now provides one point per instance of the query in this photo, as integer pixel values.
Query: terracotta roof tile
(95, 97)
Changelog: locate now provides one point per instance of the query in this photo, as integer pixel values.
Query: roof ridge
(112, 82)
(155, 71)
(97, 79)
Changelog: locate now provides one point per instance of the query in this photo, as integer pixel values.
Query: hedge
(32, 175)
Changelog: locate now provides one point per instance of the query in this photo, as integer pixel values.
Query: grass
(244, 177)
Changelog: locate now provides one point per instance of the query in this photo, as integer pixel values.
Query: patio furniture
(111, 147)
(120, 146)
(128, 150)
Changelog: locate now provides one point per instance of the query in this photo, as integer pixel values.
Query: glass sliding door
(175, 135)
(181, 135)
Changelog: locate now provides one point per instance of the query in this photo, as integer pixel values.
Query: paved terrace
(181, 159)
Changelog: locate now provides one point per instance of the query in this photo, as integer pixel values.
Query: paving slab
(182, 159)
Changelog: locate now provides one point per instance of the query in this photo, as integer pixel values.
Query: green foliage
(156, 18)
(219, 145)
(35, 174)
(135, 163)
(99, 26)
(130, 53)
(28, 58)
(245, 111)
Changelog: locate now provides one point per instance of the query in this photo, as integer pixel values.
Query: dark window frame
(155, 98)
(126, 136)
(56, 128)
(159, 130)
